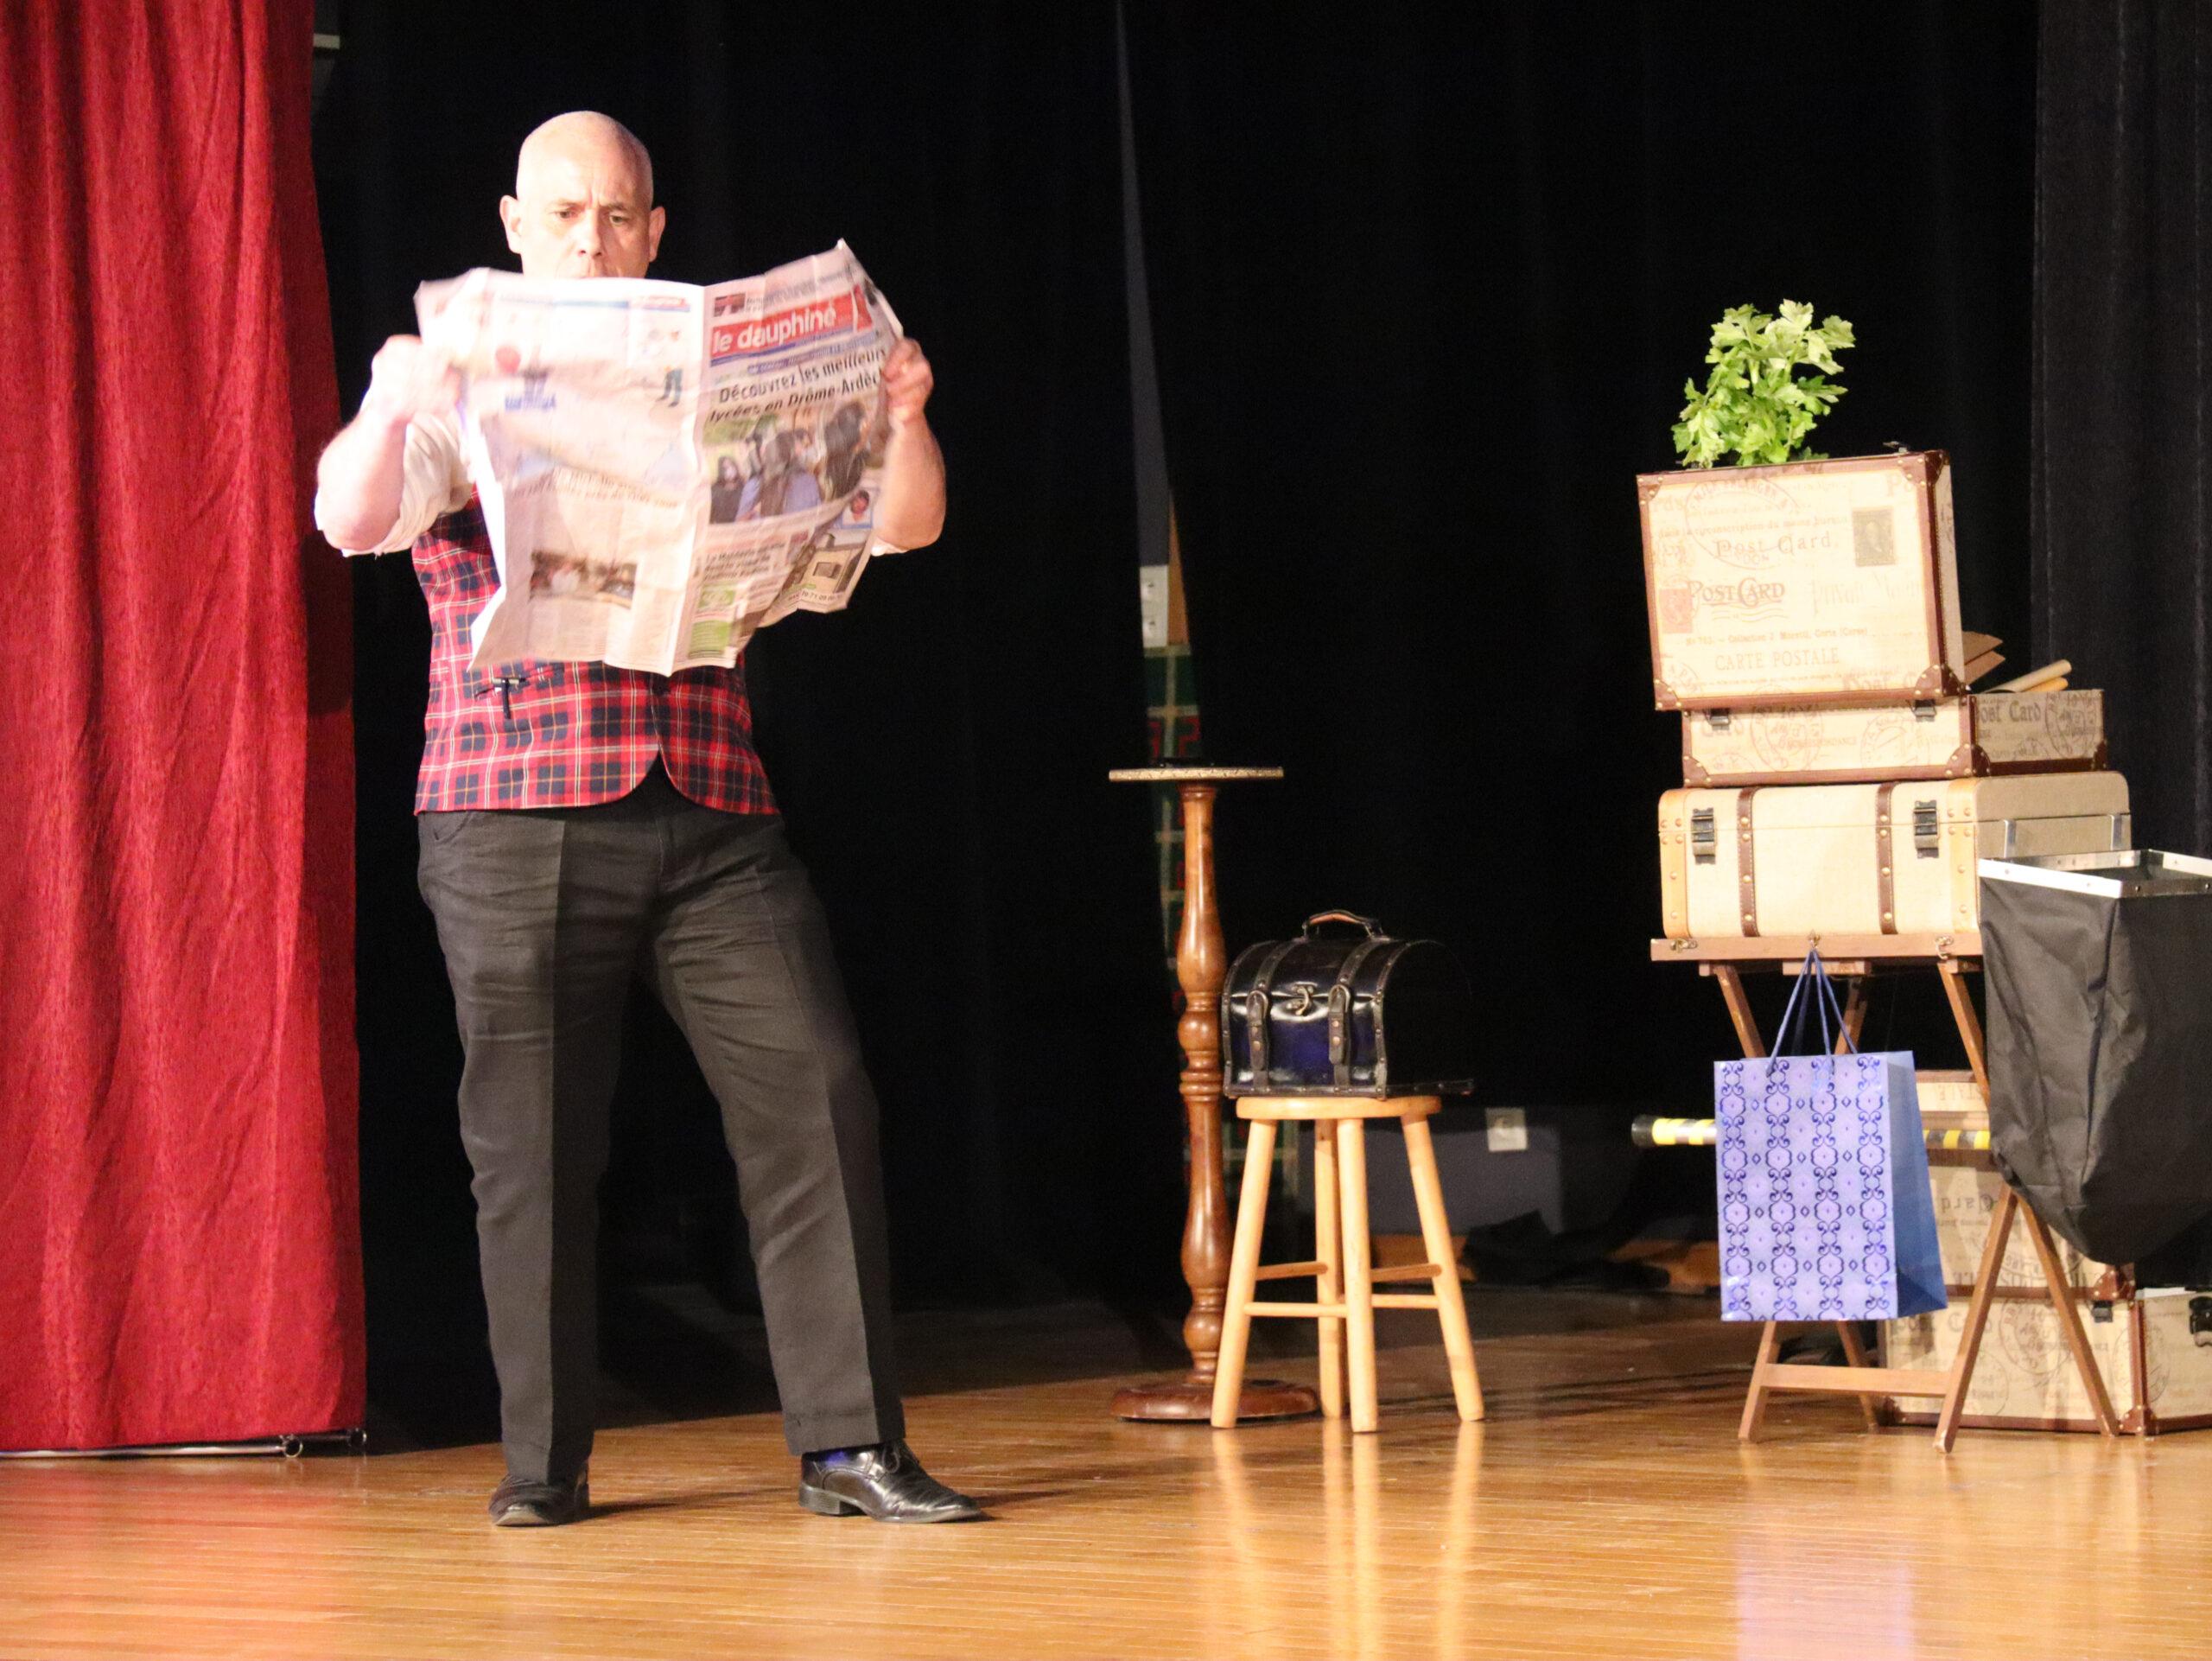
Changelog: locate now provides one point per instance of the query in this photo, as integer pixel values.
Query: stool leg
(1436, 1237)
(1243, 1272)
(1329, 1284)
(1359, 1272)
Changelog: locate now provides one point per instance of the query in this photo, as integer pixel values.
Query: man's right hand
(407, 379)
(363, 473)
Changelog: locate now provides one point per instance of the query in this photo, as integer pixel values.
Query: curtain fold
(179, 1243)
(2122, 530)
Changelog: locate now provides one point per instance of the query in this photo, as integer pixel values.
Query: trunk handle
(1374, 929)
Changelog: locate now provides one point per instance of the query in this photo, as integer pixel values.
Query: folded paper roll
(2039, 680)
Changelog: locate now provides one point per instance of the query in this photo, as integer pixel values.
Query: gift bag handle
(1824, 1000)
(1785, 1034)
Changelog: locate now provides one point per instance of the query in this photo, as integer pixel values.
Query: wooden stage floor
(1604, 1508)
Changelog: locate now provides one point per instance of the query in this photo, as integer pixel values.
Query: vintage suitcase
(1983, 734)
(2154, 1347)
(1814, 582)
(1346, 1015)
(1800, 860)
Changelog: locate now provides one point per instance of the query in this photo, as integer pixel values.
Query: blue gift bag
(1825, 1208)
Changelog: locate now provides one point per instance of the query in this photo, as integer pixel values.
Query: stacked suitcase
(1840, 777)
(2149, 1342)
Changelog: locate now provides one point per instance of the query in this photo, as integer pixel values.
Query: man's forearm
(912, 510)
(361, 480)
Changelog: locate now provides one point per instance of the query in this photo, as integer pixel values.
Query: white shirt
(433, 481)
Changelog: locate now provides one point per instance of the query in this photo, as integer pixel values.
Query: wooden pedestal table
(1857, 958)
(1201, 964)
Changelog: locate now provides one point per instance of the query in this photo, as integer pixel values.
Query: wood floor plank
(1603, 1508)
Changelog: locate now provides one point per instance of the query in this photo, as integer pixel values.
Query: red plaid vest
(564, 735)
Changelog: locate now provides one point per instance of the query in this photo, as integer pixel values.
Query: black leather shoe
(885, 1482)
(518, 1504)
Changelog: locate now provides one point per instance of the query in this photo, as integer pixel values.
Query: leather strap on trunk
(1341, 1002)
(1747, 887)
(1256, 1009)
(1885, 859)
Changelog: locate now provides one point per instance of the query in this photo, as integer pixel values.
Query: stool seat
(1344, 1298)
(1281, 1108)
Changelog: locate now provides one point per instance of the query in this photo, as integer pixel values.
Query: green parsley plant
(1755, 406)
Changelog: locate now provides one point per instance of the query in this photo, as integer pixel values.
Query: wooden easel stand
(1724, 964)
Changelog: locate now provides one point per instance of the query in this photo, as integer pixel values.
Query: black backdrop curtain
(1426, 284)
(939, 748)
(2123, 326)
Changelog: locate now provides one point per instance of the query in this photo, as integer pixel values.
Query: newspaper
(663, 468)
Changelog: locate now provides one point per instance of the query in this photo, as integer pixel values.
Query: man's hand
(907, 383)
(407, 379)
(911, 512)
(362, 472)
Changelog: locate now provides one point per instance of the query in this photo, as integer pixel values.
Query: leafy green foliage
(1754, 406)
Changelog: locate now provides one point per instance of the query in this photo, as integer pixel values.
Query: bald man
(579, 822)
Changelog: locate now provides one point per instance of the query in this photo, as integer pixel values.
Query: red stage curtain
(179, 1242)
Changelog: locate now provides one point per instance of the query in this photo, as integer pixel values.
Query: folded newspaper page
(663, 468)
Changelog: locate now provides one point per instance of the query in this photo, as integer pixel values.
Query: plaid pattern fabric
(564, 735)
(1172, 692)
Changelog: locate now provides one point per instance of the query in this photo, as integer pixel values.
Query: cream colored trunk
(2155, 1370)
(1866, 858)
(1956, 738)
(1810, 582)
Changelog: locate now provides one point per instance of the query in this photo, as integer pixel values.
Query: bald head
(583, 202)
(584, 135)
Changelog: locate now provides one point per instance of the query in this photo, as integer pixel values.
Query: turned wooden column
(1201, 963)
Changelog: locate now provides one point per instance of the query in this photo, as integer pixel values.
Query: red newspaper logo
(841, 313)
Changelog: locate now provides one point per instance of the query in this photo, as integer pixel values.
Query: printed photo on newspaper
(663, 468)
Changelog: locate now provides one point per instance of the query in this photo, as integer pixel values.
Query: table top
(1171, 773)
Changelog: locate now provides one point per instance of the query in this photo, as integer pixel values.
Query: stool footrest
(1407, 1272)
(1288, 1271)
(1309, 1311)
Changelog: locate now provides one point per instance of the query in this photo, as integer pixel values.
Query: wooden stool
(1344, 1278)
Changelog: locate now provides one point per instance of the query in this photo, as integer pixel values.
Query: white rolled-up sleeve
(433, 481)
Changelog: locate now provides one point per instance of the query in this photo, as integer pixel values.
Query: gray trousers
(544, 915)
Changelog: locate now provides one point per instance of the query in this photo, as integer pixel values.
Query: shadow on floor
(673, 1352)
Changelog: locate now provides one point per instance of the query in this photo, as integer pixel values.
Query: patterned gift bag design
(1825, 1212)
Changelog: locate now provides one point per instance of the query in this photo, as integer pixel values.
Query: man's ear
(656, 222)
(511, 216)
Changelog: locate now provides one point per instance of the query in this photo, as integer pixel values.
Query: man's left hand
(907, 383)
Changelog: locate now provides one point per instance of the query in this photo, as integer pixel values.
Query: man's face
(582, 209)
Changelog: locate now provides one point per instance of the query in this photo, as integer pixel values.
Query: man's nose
(587, 234)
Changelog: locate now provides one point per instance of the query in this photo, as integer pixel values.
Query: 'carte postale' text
(1762, 659)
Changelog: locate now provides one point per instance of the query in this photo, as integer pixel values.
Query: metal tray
(2128, 873)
